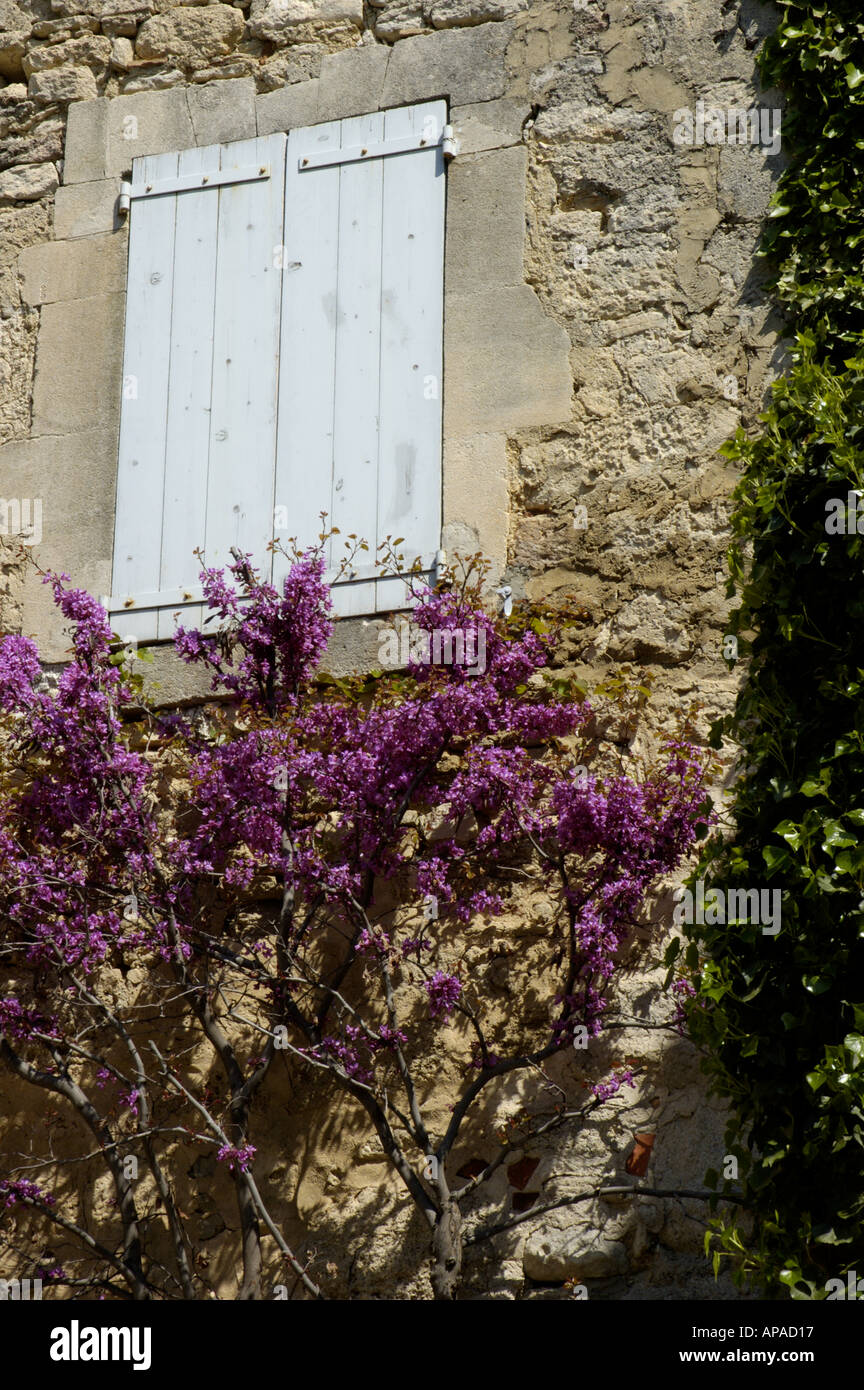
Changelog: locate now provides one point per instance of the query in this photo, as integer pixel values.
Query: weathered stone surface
(15, 28)
(476, 497)
(399, 19)
(747, 176)
(489, 125)
(62, 85)
(13, 47)
(44, 141)
(288, 108)
(27, 182)
(74, 476)
(299, 63)
(552, 1255)
(486, 220)
(146, 123)
(85, 209)
(122, 54)
(352, 82)
(649, 629)
(76, 390)
(274, 19)
(124, 25)
(190, 36)
(86, 145)
(13, 17)
(109, 9)
(485, 334)
(59, 270)
(223, 111)
(149, 79)
(227, 70)
(449, 14)
(65, 28)
(89, 50)
(467, 67)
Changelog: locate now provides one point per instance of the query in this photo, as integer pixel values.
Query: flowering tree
(287, 869)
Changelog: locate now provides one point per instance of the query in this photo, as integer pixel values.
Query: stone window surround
(506, 363)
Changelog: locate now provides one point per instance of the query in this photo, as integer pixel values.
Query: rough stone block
(223, 111)
(553, 1255)
(352, 82)
(62, 85)
(507, 363)
(77, 390)
(43, 142)
(85, 209)
(273, 20)
(452, 14)
(88, 50)
(26, 183)
(486, 220)
(465, 67)
(122, 54)
(59, 270)
(400, 20)
(289, 108)
(189, 36)
(123, 25)
(146, 78)
(13, 47)
(489, 125)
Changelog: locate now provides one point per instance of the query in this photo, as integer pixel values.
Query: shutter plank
(141, 467)
(362, 327)
(191, 366)
(412, 311)
(358, 334)
(304, 467)
(245, 357)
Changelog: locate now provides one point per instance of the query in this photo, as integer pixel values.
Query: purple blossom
(15, 1190)
(444, 992)
(604, 1089)
(237, 1158)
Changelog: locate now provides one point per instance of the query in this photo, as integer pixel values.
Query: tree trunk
(447, 1252)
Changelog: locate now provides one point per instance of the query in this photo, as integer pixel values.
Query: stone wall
(605, 331)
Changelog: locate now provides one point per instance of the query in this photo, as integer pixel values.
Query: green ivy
(782, 1017)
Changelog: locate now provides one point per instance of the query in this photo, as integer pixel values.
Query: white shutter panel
(362, 312)
(201, 364)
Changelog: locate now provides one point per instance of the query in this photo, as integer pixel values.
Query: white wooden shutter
(283, 350)
(200, 376)
(361, 346)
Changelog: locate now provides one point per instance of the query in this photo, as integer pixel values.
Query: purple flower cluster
(444, 992)
(237, 1158)
(604, 1089)
(270, 644)
(15, 1190)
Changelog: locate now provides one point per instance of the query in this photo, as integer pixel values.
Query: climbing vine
(782, 1015)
